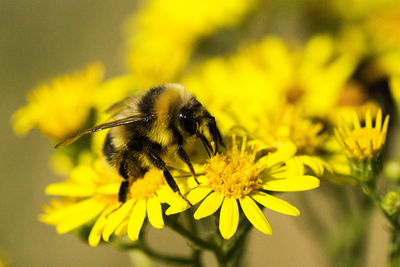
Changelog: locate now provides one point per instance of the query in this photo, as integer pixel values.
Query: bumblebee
(149, 127)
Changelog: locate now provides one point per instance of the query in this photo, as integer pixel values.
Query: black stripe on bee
(109, 149)
(147, 102)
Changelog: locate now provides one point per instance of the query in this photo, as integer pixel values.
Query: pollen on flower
(143, 188)
(235, 173)
(363, 142)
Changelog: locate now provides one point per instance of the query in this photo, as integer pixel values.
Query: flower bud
(392, 170)
(391, 202)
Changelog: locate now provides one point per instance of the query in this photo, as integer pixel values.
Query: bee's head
(189, 119)
(193, 118)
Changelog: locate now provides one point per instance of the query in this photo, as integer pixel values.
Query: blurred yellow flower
(163, 34)
(88, 191)
(91, 193)
(60, 107)
(268, 75)
(363, 142)
(238, 176)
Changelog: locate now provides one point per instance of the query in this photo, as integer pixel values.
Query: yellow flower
(61, 107)
(163, 34)
(89, 190)
(91, 193)
(238, 176)
(363, 142)
(267, 75)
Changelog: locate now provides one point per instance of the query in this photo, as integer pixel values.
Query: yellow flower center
(234, 173)
(294, 94)
(143, 188)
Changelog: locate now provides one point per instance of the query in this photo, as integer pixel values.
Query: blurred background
(40, 39)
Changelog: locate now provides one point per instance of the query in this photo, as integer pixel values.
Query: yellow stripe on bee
(169, 99)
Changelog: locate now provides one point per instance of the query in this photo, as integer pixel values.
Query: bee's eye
(187, 121)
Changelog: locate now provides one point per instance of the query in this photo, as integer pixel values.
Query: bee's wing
(116, 123)
(123, 104)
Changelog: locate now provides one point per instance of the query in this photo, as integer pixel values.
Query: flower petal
(284, 152)
(255, 215)
(197, 194)
(109, 189)
(209, 205)
(116, 218)
(290, 184)
(154, 212)
(314, 163)
(73, 215)
(176, 202)
(122, 229)
(275, 204)
(295, 166)
(98, 227)
(136, 220)
(69, 189)
(229, 217)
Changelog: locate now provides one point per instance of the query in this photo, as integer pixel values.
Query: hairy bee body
(151, 126)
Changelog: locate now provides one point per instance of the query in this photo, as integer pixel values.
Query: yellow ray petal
(368, 119)
(154, 212)
(378, 121)
(136, 220)
(176, 202)
(198, 194)
(71, 211)
(69, 189)
(284, 152)
(98, 227)
(275, 204)
(356, 121)
(255, 215)
(80, 218)
(295, 166)
(109, 189)
(299, 183)
(210, 205)
(228, 218)
(384, 130)
(315, 165)
(122, 229)
(115, 219)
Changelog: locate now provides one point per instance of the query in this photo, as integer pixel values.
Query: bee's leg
(123, 171)
(215, 133)
(185, 158)
(123, 191)
(160, 164)
(205, 142)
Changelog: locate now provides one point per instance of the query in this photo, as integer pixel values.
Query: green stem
(141, 246)
(395, 249)
(237, 251)
(196, 253)
(240, 241)
(394, 255)
(370, 191)
(177, 227)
